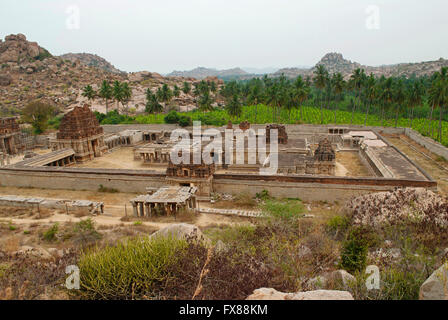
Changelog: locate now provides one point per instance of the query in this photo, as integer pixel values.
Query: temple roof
(79, 123)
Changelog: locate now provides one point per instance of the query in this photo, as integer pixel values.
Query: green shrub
(263, 195)
(354, 251)
(50, 234)
(84, 233)
(172, 117)
(185, 121)
(338, 225)
(133, 268)
(102, 188)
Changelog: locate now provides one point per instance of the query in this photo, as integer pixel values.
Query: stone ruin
(191, 174)
(282, 135)
(229, 125)
(10, 142)
(244, 125)
(324, 151)
(80, 131)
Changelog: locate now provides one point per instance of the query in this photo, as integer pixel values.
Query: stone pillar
(134, 207)
(147, 209)
(142, 210)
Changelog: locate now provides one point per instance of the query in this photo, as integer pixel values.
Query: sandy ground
(19, 158)
(120, 158)
(348, 164)
(115, 205)
(431, 166)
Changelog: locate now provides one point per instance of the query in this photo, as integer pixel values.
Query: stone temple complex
(328, 163)
(80, 131)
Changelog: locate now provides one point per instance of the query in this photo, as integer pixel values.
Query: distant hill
(201, 73)
(29, 72)
(91, 60)
(335, 62)
(267, 70)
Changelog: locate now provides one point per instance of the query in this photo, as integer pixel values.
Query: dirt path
(431, 165)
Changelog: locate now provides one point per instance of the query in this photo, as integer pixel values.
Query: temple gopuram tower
(80, 131)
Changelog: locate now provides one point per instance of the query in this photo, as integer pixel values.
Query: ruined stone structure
(244, 125)
(10, 142)
(229, 125)
(153, 153)
(197, 175)
(282, 135)
(80, 131)
(165, 201)
(324, 151)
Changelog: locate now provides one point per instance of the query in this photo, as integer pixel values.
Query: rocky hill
(91, 60)
(29, 72)
(202, 73)
(335, 62)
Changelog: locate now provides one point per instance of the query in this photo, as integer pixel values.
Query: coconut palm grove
(362, 99)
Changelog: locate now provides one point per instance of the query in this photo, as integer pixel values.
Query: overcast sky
(166, 35)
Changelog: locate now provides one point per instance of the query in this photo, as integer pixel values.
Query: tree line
(387, 97)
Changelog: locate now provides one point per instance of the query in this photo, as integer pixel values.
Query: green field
(263, 114)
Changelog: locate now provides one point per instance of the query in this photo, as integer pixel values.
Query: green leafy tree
(38, 113)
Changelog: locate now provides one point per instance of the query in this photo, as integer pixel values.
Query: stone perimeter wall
(84, 179)
(133, 181)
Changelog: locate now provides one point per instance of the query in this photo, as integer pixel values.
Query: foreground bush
(166, 268)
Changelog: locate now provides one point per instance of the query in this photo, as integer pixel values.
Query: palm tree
(176, 91)
(338, 86)
(255, 95)
(302, 91)
(443, 97)
(152, 103)
(164, 94)
(88, 92)
(357, 79)
(117, 92)
(274, 99)
(186, 88)
(399, 97)
(205, 102)
(320, 81)
(415, 97)
(387, 96)
(438, 97)
(234, 107)
(105, 92)
(126, 94)
(371, 91)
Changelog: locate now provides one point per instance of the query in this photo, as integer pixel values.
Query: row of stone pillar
(62, 162)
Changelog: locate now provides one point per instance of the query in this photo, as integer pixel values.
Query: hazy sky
(168, 35)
